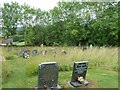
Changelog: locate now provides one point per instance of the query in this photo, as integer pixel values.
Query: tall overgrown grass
(98, 58)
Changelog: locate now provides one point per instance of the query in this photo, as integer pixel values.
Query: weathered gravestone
(53, 51)
(9, 49)
(79, 74)
(20, 52)
(26, 54)
(43, 52)
(34, 52)
(48, 76)
(91, 46)
(85, 48)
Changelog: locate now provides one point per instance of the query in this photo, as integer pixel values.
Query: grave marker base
(77, 84)
(52, 88)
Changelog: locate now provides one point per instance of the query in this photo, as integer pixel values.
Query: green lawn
(96, 78)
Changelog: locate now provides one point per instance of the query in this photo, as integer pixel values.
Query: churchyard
(20, 72)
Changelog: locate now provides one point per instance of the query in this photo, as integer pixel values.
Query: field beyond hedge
(18, 72)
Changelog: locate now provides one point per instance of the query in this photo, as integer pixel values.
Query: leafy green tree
(11, 16)
(70, 23)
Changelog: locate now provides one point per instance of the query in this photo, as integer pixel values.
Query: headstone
(52, 48)
(79, 74)
(28, 51)
(48, 76)
(79, 45)
(43, 52)
(9, 49)
(91, 46)
(54, 53)
(34, 52)
(26, 54)
(20, 52)
(41, 45)
(85, 48)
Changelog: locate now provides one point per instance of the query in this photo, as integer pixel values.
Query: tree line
(67, 24)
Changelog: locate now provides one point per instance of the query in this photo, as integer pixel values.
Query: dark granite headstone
(79, 73)
(48, 76)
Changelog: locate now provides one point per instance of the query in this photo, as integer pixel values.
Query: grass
(102, 70)
(0, 69)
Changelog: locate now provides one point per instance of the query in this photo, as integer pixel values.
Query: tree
(11, 16)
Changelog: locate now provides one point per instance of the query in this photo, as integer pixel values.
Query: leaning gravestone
(79, 74)
(34, 52)
(48, 76)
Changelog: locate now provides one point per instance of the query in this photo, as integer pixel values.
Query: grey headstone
(20, 52)
(9, 49)
(79, 70)
(34, 52)
(79, 45)
(43, 52)
(91, 46)
(48, 75)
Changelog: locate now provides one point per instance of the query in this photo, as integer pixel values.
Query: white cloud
(42, 4)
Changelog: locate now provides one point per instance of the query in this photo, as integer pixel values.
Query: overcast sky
(42, 4)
